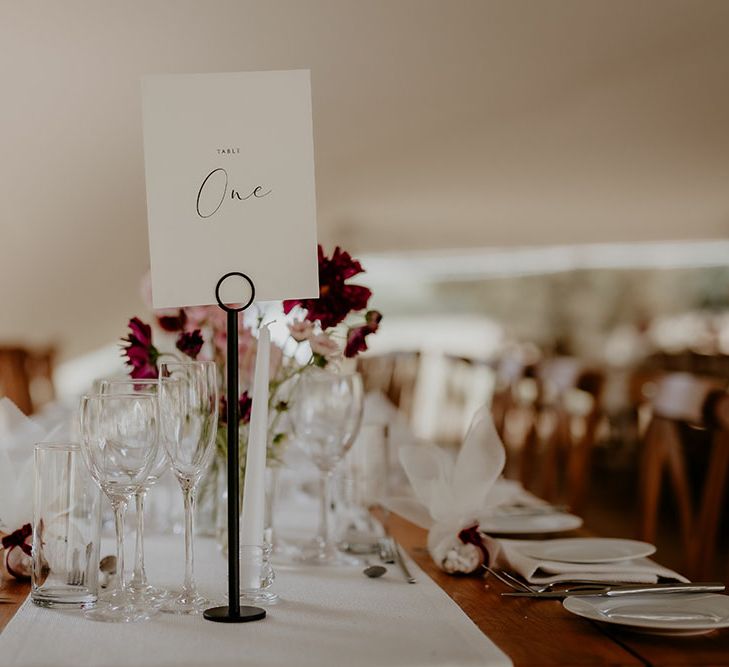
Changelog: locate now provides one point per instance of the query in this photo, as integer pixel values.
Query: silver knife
(616, 591)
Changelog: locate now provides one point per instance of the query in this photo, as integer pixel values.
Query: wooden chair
(403, 381)
(514, 408)
(681, 401)
(376, 371)
(40, 366)
(570, 391)
(14, 377)
(509, 371)
(465, 384)
(394, 374)
(26, 377)
(703, 546)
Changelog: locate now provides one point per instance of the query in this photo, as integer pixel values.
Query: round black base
(222, 615)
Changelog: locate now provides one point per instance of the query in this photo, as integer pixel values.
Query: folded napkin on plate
(18, 435)
(449, 495)
(507, 555)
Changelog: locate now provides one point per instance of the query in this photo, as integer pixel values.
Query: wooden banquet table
(530, 632)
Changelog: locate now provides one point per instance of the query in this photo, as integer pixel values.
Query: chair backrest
(26, 377)
(14, 377)
(403, 380)
(570, 411)
(395, 374)
(463, 390)
(675, 400)
(376, 371)
(682, 397)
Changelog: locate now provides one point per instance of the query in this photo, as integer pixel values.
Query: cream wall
(437, 124)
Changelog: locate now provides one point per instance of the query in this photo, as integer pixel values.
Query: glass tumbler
(257, 575)
(66, 527)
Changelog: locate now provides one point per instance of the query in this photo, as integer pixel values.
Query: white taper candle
(254, 489)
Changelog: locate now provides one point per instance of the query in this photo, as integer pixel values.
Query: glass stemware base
(285, 553)
(259, 597)
(146, 594)
(120, 607)
(185, 602)
(318, 552)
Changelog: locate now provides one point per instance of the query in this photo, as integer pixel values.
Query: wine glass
(138, 584)
(189, 418)
(326, 415)
(119, 443)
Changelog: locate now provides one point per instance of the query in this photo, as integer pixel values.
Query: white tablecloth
(328, 616)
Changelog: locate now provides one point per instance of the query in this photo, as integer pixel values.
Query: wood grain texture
(16, 592)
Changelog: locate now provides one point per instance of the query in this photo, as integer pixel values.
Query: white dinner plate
(656, 613)
(587, 550)
(515, 524)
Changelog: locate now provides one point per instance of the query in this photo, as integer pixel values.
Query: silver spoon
(373, 571)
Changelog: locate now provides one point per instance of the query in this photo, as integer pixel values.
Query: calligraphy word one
(214, 191)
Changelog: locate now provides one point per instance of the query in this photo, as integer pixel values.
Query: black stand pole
(233, 613)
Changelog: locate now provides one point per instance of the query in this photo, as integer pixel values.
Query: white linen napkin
(507, 555)
(450, 494)
(18, 436)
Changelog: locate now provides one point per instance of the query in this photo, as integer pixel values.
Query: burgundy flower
(190, 343)
(336, 298)
(172, 322)
(245, 403)
(18, 539)
(472, 535)
(356, 342)
(141, 354)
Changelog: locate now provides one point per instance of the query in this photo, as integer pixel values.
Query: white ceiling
(437, 124)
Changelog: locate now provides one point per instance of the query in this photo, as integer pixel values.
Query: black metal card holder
(233, 613)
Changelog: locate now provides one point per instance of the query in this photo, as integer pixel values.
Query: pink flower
(356, 342)
(141, 354)
(323, 345)
(198, 316)
(190, 343)
(301, 330)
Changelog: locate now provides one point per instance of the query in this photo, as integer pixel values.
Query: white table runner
(328, 616)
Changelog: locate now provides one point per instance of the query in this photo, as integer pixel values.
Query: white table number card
(229, 163)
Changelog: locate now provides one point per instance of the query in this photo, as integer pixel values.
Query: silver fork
(523, 587)
(512, 582)
(75, 575)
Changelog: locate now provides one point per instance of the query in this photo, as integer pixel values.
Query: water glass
(66, 526)
(369, 466)
(120, 441)
(189, 414)
(138, 583)
(363, 482)
(326, 415)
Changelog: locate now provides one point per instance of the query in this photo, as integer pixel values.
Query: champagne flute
(119, 443)
(189, 418)
(326, 415)
(138, 584)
